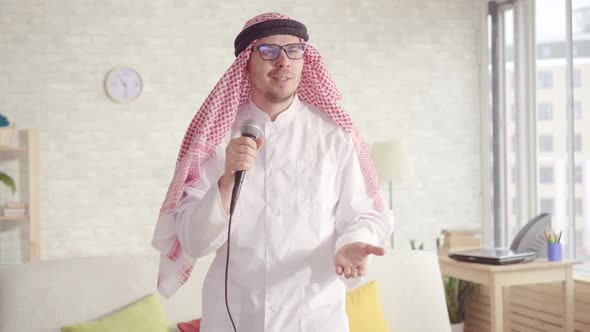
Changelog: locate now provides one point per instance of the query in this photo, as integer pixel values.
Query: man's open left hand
(352, 260)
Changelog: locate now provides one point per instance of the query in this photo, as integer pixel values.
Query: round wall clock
(123, 84)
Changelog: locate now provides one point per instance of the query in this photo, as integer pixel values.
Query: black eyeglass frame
(283, 48)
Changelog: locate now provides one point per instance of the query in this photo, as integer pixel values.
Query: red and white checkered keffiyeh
(213, 121)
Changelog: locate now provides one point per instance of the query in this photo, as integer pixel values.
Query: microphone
(252, 129)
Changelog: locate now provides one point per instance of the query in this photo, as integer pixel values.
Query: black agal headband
(269, 28)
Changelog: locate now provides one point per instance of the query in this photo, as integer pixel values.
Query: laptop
(527, 245)
(493, 256)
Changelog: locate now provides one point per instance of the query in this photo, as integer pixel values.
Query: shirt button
(277, 213)
(273, 307)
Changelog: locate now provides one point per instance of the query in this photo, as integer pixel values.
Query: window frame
(525, 69)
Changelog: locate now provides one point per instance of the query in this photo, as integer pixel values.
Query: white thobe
(304, 198)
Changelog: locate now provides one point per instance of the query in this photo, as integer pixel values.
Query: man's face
(276, 80)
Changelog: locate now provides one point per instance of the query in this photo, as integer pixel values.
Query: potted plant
(414, 247)
(6, 131)
(8, 181)
(457, 293)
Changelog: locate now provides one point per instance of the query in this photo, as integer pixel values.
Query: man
(309, 214)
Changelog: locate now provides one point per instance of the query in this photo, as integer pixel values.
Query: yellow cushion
(364, 309)
(144, 315)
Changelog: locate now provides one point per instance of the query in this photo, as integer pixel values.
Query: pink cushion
(192, 326)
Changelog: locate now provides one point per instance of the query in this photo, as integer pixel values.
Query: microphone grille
(251, 127)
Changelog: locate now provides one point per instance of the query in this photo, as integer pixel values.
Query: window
(545, 143)
(514, 210)
(581, 17)
(546, 205)
(577, 78)
(544, 79)
(546, 174)
(545, 111)
(579, 207)
(577, 142)
(581, 97)
(545, 52)
(513, 142)
(577, 110)
(551, 94)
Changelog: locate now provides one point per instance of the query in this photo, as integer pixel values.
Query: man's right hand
(240, 155)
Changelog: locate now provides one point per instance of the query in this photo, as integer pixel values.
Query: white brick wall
(407, 69)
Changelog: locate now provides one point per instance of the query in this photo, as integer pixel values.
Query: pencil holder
(554, 252)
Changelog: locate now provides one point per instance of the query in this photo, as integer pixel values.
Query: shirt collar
(282, 119)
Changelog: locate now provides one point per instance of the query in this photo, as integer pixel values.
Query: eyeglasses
(272, 51)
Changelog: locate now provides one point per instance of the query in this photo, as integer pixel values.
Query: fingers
(259, 143)
(349, 272)
(242, 145)
(362, 271)
(240, 154)
(240, 164)
(378, 251)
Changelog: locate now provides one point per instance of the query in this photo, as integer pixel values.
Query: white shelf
(14, 218)
(30, 149)
(12, 149)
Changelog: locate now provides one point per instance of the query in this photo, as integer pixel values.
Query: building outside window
(545, 143)
(546, 174)
(545, 111)
(545, 79)
(577, 110)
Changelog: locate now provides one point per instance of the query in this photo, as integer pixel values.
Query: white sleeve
(356, 216)
(201, 222)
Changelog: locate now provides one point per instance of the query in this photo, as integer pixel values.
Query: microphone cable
(226, 268)
(251, 129)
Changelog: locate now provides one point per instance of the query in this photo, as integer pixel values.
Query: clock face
(123, 84)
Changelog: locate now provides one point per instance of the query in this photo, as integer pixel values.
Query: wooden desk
(497, 276)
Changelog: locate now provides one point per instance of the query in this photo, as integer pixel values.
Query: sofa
(43, 296)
